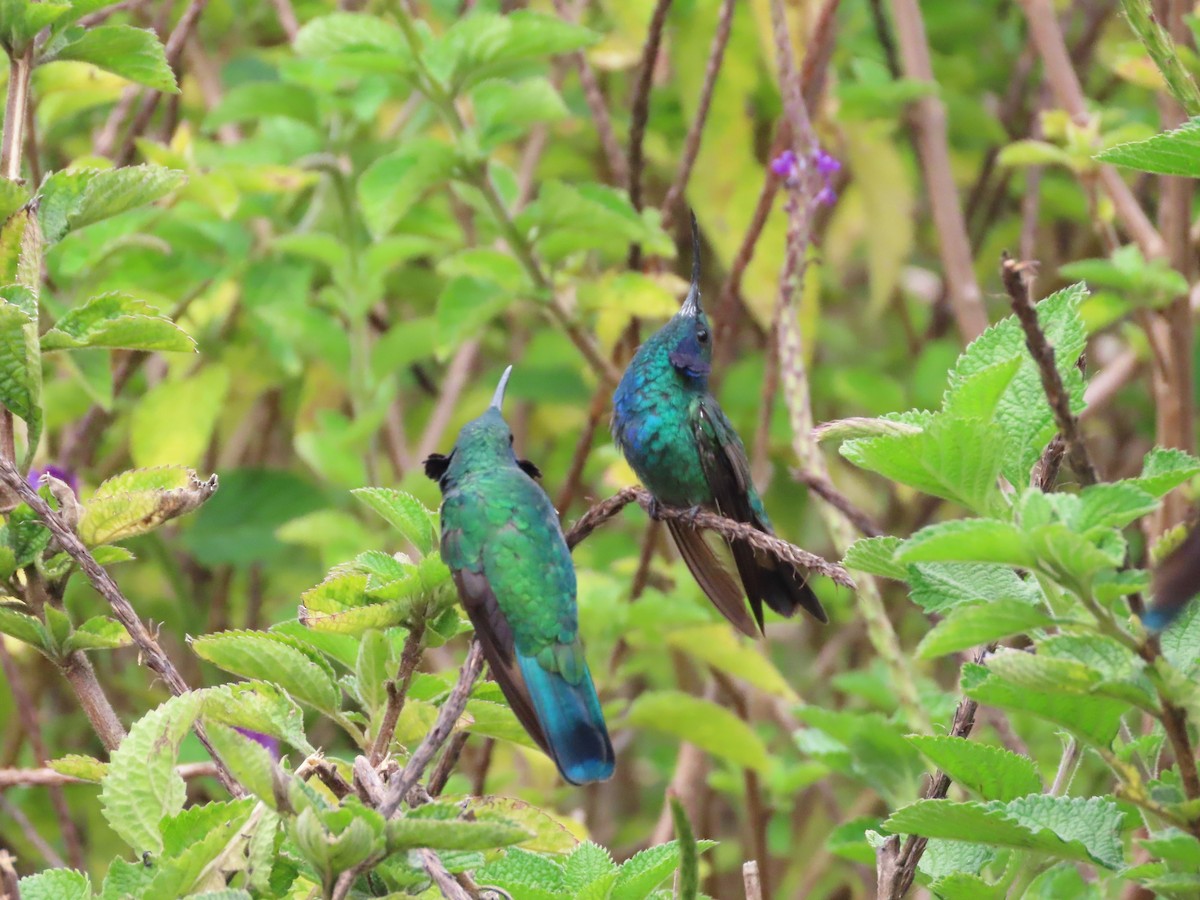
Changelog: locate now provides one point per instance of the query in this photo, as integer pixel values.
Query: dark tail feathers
(572, 722)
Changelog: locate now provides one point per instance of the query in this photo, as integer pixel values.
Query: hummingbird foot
(691, 514)
(654, 508)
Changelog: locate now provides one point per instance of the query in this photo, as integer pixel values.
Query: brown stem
(456, 379)
(819, 484)
(397, 691)
(751, 880)
(77, 669)
(445, 882)
(448, 715)
(727, 528)
(287, 19)
(15, 814)
(446, 763)
(583, 449)
(929, 131)
(639, 113)
(124, 612)
(691, 145)
(1014, 275)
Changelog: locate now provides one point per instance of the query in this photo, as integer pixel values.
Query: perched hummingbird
(502, 541)
(683, 448)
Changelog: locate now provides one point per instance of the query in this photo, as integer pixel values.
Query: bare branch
(397, 691)
(639, 113)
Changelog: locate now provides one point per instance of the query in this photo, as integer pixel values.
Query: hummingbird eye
(702, 335)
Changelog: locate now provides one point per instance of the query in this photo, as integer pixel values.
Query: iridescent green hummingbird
(502, 540)
(683, 448)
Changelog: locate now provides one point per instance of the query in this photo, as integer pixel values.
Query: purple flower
(272, 744)
(826, 164)
(64, 475)
(827, 196)
(785, 165)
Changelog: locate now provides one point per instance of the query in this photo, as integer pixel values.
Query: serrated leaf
(24, 628)
(977, 395)
(485, 44)
(1023, 413)
(991, 772)
(132, 53)
(98, 633)
(1112, 505)
(1175, 846)
(20, 367)
(1093, 719)
(142, 786)
(937, 587)
(588, 865)
(55, 884)
(371, 670)
(718, 646)
(1175, 152)
(524, 874)
(979, 623)
(259, 706)
(969, 540)
(341, 32)
(118, 321)
(643, 872)
(200, 863)
(405, 513)
(85, 768)
(876, 556)
(304, 674)
(700, 722)
(174, 422)
(248, 761)
(141, 500)
(1068, 828)
(955, 458)
(21, 20)
(1165, 468)
(71, 200)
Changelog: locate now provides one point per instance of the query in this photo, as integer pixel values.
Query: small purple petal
(35, 477)
(271, 743)
(826, 164)
(827, 196)
(785, 164)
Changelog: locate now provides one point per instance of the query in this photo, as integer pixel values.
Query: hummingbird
(504, 546)
(682, 446)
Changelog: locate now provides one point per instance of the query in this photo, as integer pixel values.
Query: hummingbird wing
(723, 457)
(716, 583)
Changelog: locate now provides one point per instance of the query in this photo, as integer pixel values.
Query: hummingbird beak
(691, 305)
(498, 397)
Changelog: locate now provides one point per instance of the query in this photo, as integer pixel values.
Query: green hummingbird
(503, 543)
(678, 440)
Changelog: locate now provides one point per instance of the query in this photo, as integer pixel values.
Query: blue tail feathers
(571, 719)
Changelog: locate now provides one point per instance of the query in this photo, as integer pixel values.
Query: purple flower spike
(826, 164)
(64, 475)
(827, 196)
(272, 744)
(785, 165)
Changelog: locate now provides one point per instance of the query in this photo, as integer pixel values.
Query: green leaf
(484, 45)
(70, 200)
(643, 872)
(248, 761)
(20, 367)
(56, 884)
(98, 633)
(1094, 719)
(27, 536)
(688, 885)
(505, 110)
(200, 864)
(568, 219)
(876, 556)
(174, 422)
(701, 722)
(1064, 827)
(393, 184)
(259, 706)
(524, 874)
(405, 513)
(1112, 505)
(21, 20)
(142, 786)
(980, 623)
(955, 458)
(272, 657)
(85, 768)
(13, 195)
(1023, 413)
(260, 99)
(969, 540)
(1165, 468)
(141, 500)
(1175, 152)
(371, 671)
(1175, 846)
(118, 321)
(1034, 153)
(341, 32)
(718, 646)
(454, 834)
(589, 871)
(991, 772)
(937, 587)
(873, 750)
(465, 306)
(133, 53)
(24, 628)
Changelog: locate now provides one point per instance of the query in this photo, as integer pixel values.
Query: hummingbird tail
(776, 583)
(576, 736)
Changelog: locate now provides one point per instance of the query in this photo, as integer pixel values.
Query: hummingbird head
(690, 339)
(484, 441)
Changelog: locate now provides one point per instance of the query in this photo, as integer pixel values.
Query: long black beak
(498, 397)
(691, 304)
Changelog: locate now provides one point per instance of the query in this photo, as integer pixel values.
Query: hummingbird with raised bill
(678, 440)
(503, 543)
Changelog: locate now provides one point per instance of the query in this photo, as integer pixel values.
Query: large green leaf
(1175, 152)
(118, 321)
(991, 772)
(701, 722)
(979, 623)
(272, 657)
(132, 53)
